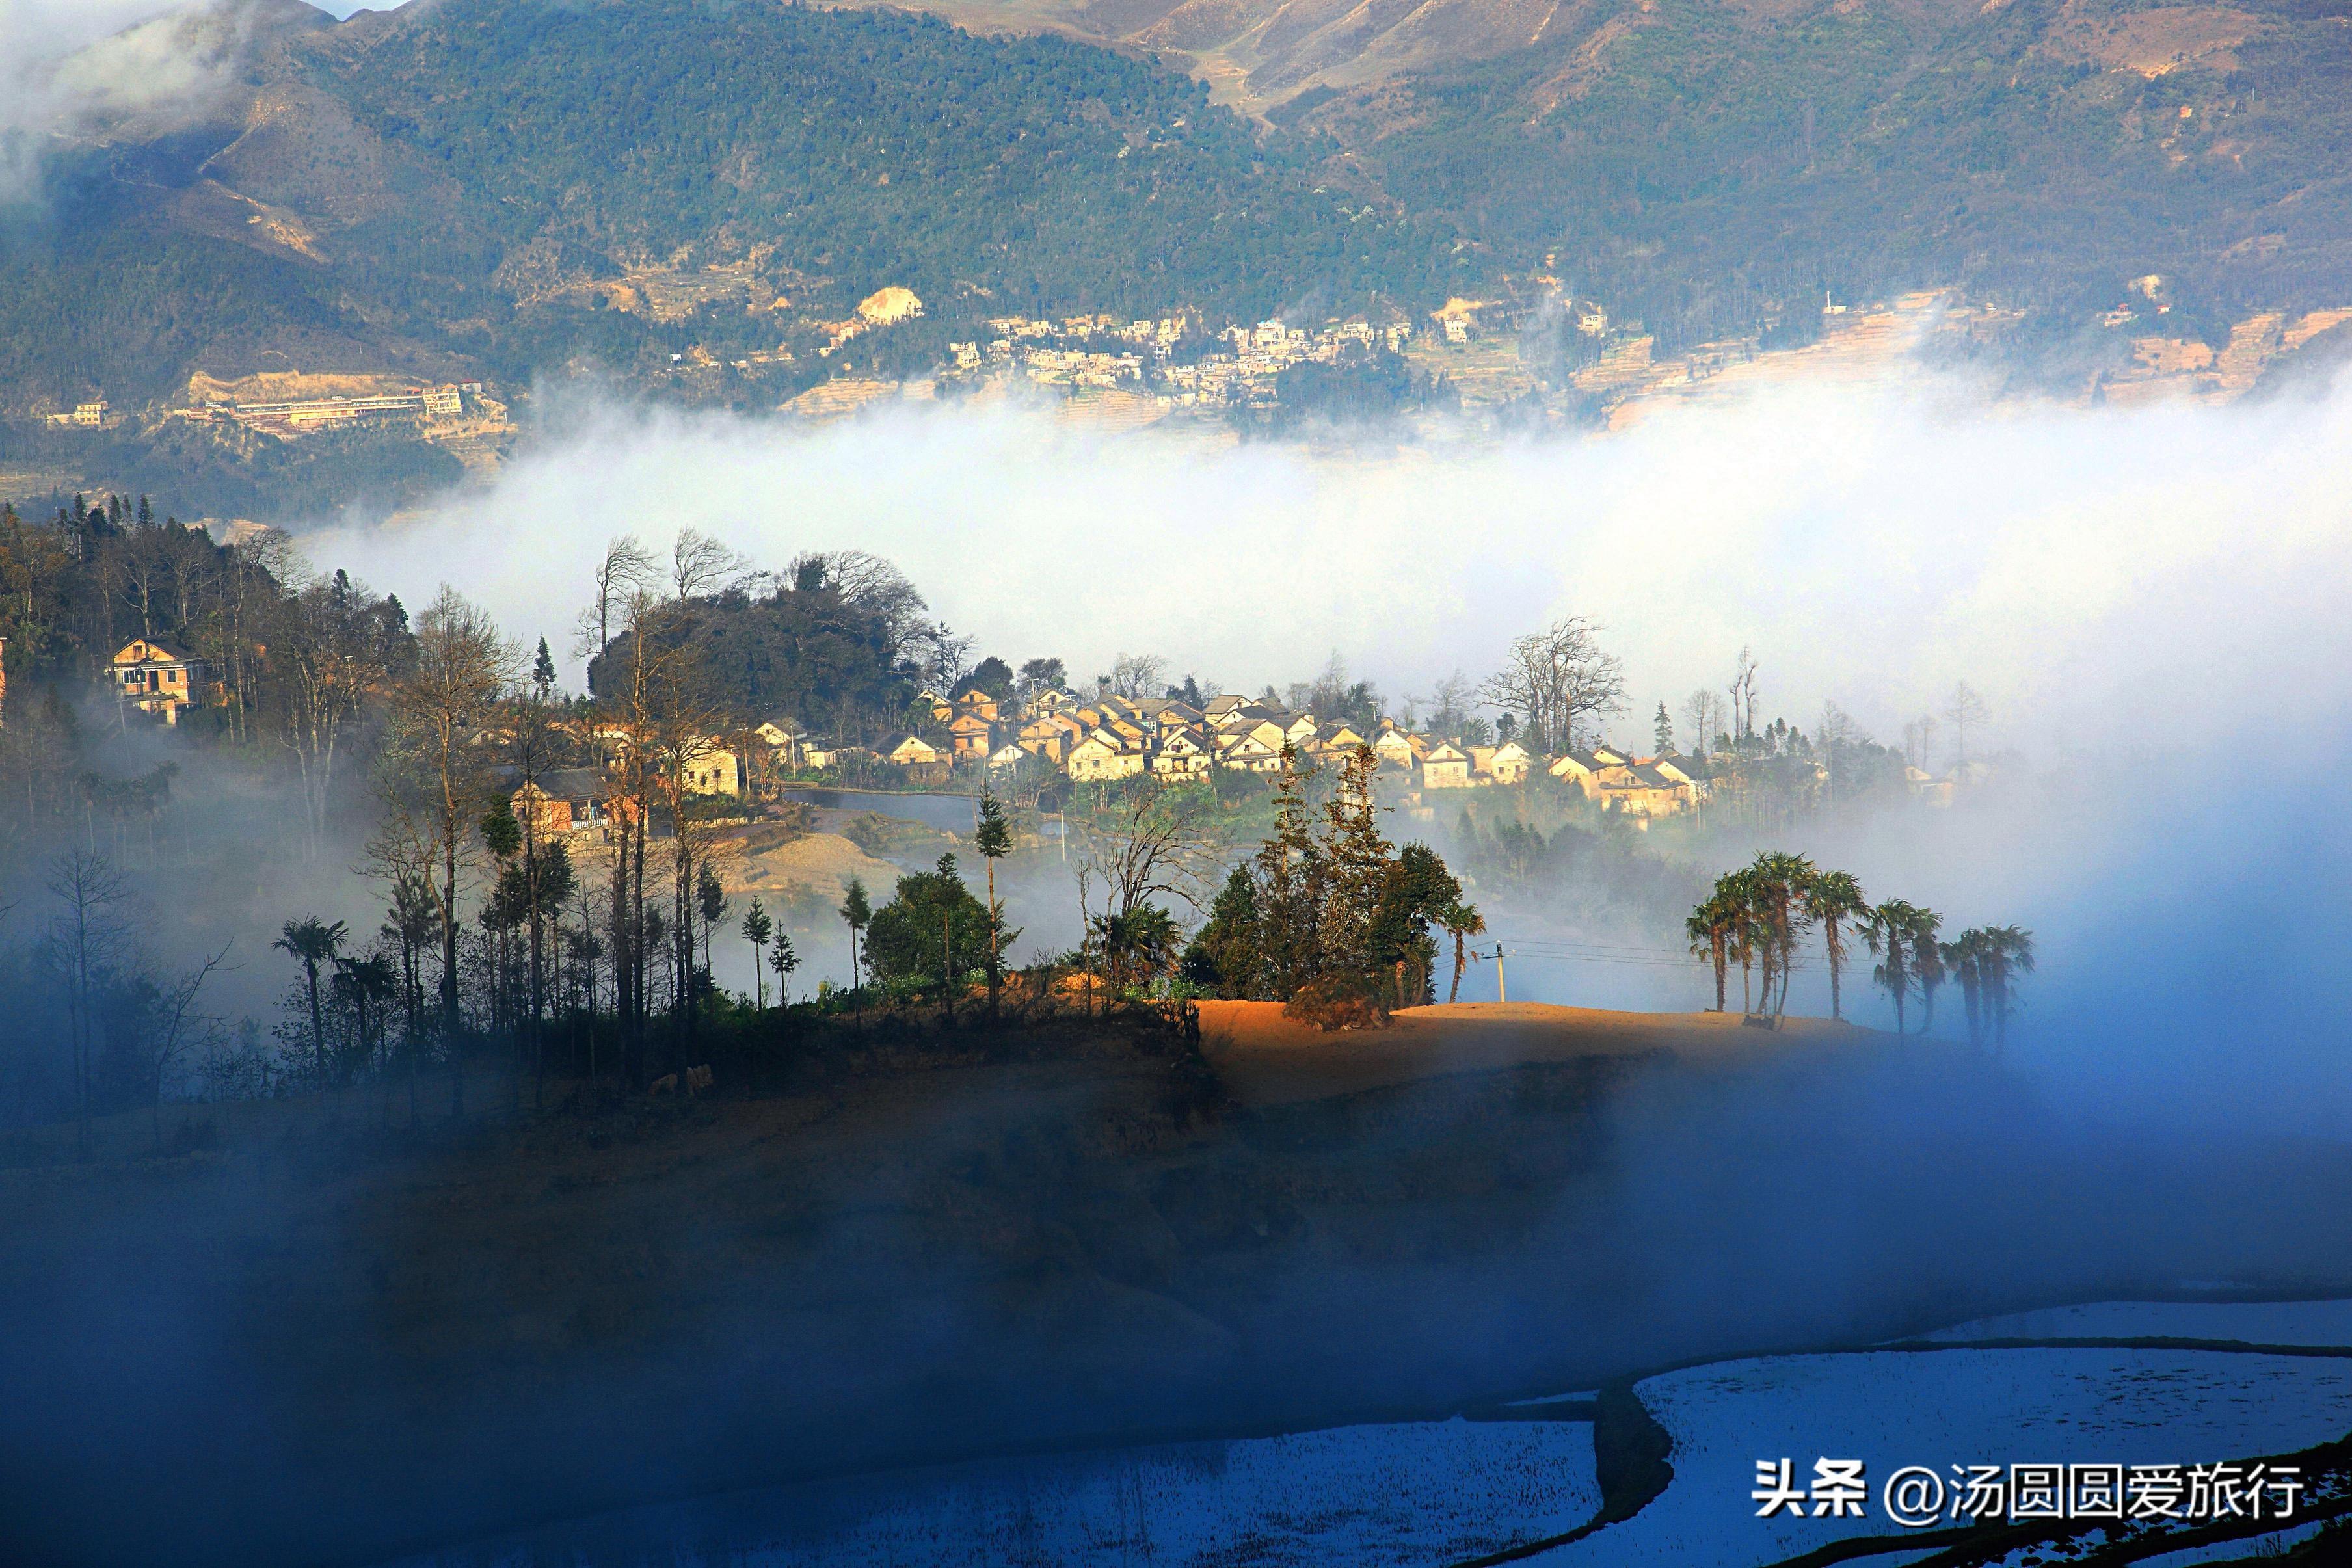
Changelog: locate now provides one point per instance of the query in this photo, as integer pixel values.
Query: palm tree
(1709, 929)
(1964, 960)
(1745, 935)
(1462, 921)
(366, 981)
(1927, 962)
(1777, 882)
(314, 945)
(2009, 953)
(757, 928)
(1887, 930)
(1137, 946)
(1831, 897)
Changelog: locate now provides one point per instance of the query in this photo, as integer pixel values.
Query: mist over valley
(1233, 786)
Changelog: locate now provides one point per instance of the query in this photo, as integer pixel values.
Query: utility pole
(1502, 992)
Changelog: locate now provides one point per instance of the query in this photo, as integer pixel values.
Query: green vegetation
(1757, 915)
(1708, 168)
(810, 650)
(848, 149)
(1328, 916)
(932, 932)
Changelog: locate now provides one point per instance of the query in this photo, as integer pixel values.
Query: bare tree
(1450, 704)
(1139, 676)
(1966, 708)
(1559, 681)
(177, 1029)
(1150, 843)
(328, 660)
(1703, 710)
(656, 711)
(463, 666)
(626, 570)
(943, 654)
(1743, 695)
(87, 936)
(1919, 741)
(866, 580)
(701, 567)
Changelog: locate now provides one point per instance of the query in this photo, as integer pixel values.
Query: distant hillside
(1685, 158)
(1703, 164)
(459, 179)
(690, 198)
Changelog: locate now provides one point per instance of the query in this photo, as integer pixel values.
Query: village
(1053, 734)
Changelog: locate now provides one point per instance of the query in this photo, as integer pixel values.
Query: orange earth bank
(1266, 1059)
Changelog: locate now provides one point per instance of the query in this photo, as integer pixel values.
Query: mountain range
(520, 189)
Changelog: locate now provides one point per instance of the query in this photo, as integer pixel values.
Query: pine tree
(855, 912)
(783, 960)
(1290, 878)
(1226, 957)
(994, 840)
(1354, 864)
(543, 671)
(758, 928)
(1664, 728)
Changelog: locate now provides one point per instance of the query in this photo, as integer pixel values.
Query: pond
(1368, 1496)
(946, 814)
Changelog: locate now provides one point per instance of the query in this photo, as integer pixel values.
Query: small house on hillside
(155, 679)
(576, 797)
(1399, 749)
(1103, 756)
(1051, 735)
(1181, 756)
(1582, 769)
(971, 734)
(1509, 763)
(1642, 792)
(1447, 767)
(1223, 707)
(543, 814)
(713, 770)
(912, 751)
(1248, 752)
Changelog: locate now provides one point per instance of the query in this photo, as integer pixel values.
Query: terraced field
(2184, 1381)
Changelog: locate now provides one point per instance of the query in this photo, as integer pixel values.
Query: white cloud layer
(65, 64)
(2092, 572)
(2149, 598)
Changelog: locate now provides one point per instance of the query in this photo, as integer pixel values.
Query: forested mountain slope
(1698, 162)
(510, 188)
(1678, 154)
(472, 183)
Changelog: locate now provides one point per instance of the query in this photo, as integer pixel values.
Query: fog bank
(2144, 597)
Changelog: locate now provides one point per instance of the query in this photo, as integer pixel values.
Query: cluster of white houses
(1098, 740)
(1106, 739)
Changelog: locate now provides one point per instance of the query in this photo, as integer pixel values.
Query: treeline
(417, 737)
(1760, 915)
